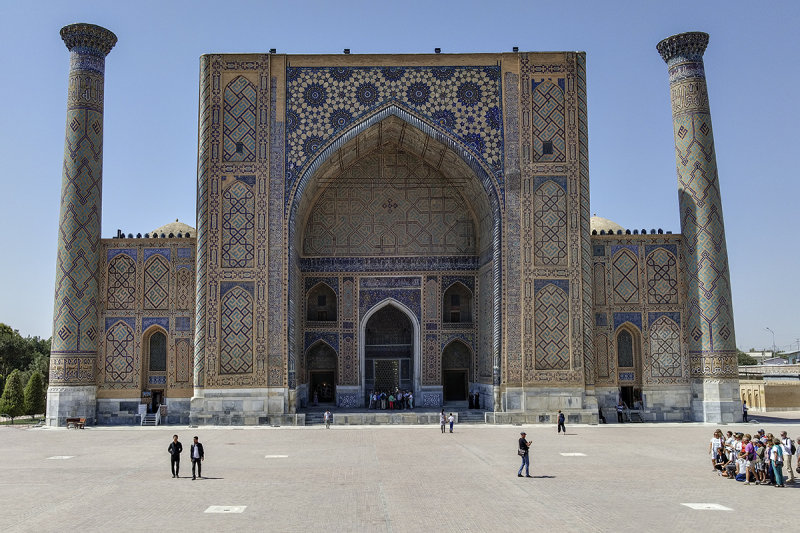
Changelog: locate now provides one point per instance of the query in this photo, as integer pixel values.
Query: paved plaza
(380, 478)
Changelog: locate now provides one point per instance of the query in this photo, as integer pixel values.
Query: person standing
(175, 448)
(619, 412)
(328, 416)
(744, 411)
(197, 455)
(600, 414)
(451, 419)
(524, 448)
(442, 420)
(561, 419)
(787, 444)
(776, 456)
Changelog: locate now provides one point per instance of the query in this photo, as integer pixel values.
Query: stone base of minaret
(71, 402)
(716, 401)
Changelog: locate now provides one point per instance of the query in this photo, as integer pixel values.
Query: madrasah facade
(392, 222)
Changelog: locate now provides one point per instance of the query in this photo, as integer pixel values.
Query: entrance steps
(361, 417)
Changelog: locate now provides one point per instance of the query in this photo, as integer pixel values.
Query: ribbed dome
(600, 223)
(175, 228)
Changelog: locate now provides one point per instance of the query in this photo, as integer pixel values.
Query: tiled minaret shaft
(75, 319)
(711, 339)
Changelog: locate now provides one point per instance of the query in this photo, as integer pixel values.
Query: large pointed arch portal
(400, 131)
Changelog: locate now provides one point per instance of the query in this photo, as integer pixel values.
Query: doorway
(454, 385)
(322, 385)
(388, 351)
(156, 399)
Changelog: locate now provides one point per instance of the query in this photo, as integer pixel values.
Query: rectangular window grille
(321, 300)
(455, 316)
(322, 315)
(239, 148)
(547, 147)
(455, 300)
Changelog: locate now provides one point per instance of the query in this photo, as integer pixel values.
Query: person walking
(451, 419)
(561, 419)
(524, 448)
(197, 455)
(328, 416)
(175, 448)
(442, 420)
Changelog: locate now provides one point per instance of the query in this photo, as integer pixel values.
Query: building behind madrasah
(379, 222)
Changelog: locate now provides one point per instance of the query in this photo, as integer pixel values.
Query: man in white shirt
(786, 442)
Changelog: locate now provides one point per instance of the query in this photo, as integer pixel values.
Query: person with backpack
(776, 456)
(788, 452)
(747, 455)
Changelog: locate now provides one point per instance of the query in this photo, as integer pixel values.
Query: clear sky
(151, 94)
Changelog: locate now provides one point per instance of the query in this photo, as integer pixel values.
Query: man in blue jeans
(524, 445)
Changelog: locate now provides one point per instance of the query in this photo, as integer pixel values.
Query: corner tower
(72, 391)
(711, 339)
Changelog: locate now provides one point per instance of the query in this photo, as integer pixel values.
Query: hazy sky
(151, 92)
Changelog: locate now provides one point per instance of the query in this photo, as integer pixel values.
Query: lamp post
(773, 340)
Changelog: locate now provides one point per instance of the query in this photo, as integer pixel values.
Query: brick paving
(634, 477)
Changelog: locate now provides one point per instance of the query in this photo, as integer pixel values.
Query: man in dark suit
(196, 453)
(175, 449)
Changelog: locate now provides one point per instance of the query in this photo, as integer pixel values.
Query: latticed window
(625, 349)
(158, 352)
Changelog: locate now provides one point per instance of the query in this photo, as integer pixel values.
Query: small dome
(600, 223)
(175, 228)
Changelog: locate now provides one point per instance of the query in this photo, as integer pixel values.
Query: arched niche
(155, 355)
(457, 304)
(321, 304)
(628, 342)
(389, 348)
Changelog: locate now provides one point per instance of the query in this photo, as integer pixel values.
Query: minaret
(709, 324)
(72, 391)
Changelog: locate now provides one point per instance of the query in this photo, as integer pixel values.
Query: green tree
(12, 403)
(745, 359)
(34, 394)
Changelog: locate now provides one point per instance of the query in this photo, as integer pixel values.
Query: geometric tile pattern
(183, 361)
(712, 343)
(238, 226)
(184, 288)
(601, 356)
(156, 283)
(236, 332)
(404, 209)
(550, 222)
(551, 318)
(548, 118)
(324, 101)
(240, 121)
(665, 349)
(119, 367)
(121, 283)
(599, 284)
(662, 277)
(626, 277)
